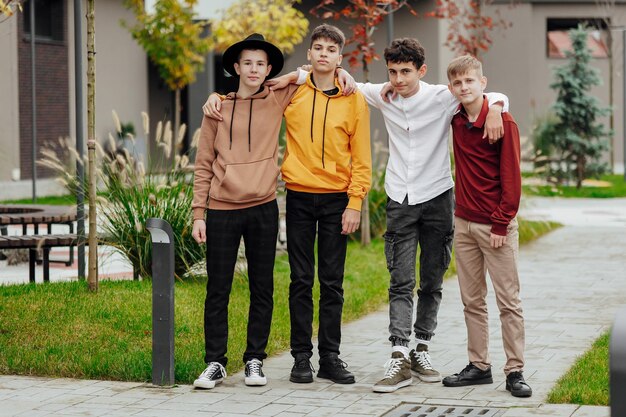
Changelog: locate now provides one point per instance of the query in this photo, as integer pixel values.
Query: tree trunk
(366, 234)
(580, 171)
(177, 111)
(92, 277)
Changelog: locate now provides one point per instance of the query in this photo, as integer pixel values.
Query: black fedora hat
(254, 41)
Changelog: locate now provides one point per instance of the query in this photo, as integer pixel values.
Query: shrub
(128, 196)
(578, 139)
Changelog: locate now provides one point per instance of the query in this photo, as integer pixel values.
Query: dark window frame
(49, 21)
(567, 23)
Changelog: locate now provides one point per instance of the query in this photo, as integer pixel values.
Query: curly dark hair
(405, 50)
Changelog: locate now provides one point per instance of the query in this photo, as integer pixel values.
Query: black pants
(259, 227)
(306, 214)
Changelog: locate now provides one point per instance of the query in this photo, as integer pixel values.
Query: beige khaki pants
(474, 258)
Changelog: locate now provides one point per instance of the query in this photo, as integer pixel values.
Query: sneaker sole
(519, 394)
(301, 380)
(467, 383)
(426, 378)
(392, 388)
(256, 382)
(206, 384)
(336, 381)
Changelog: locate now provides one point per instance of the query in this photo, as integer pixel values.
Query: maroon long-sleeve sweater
(488, 177)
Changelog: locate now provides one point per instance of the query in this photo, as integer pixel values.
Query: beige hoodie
(237, 160)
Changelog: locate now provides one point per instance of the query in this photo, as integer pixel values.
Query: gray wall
(9, 85)
(518, 65)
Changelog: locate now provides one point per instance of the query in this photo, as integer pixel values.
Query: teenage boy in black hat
(235, 189)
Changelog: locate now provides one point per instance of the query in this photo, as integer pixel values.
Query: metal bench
(35, 242)
(36, 215)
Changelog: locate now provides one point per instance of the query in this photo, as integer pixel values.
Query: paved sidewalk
(572, 286)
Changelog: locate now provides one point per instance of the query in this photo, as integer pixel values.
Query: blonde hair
(463, 64)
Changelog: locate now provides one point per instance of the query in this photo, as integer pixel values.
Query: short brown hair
(405, 50)
(464, 64)
(330, 32)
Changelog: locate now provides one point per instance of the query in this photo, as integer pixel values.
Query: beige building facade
(518, 64)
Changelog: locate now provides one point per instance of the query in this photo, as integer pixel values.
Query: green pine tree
(579, 139)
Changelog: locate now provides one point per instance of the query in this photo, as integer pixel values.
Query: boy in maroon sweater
(488, 190)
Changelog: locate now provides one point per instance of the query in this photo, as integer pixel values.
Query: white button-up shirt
(418, 128)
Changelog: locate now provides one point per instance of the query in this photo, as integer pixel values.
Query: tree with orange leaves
(469, 30)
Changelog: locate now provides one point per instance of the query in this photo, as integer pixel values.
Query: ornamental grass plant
(129, 194)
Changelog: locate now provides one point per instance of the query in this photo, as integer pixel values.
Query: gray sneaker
(397, 374)
(421, 366)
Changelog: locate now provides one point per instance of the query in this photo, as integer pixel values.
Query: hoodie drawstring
(232, 118)
(324, 130)
(324, 125)
(313, 113)
(250, 124)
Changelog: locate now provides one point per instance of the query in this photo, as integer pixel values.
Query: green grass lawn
(617, 189)
(62, 330)
(587, 381)
(57, 200)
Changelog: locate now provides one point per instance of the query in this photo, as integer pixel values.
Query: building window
(49, 19)
(558, 41)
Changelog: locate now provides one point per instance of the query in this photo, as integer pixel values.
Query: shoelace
(340, 364)
(304, 363)
(213, 368)
(423, 358)
(516, 377)
(255, 367)
(392, 367)
(466, 369)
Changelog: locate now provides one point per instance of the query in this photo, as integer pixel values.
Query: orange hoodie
(237, 160)
(328, 143)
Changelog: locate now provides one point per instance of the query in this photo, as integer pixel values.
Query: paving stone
(557, 332)
(592, 411)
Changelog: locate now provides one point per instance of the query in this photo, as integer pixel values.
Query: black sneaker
(333, 368)
(254, 373)
(470, 375)
(211, 376)
(516, 384)
(302, 371)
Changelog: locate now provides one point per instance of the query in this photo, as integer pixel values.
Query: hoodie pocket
(247, 182)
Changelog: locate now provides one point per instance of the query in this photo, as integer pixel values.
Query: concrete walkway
(572, 285)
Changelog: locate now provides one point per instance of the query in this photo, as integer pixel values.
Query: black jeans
(431, 225)
(306, 213)
(258, 226)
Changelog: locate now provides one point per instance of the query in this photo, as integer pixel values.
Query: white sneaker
(211, 376)
(254, 373)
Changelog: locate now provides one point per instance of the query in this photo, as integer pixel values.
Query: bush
(128, 196)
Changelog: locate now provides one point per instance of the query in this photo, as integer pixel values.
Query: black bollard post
(617, 365)
(162, 301)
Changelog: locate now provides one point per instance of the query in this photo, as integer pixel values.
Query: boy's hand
(212, 107)
(350, 221)
(282, 81)
(199, 231)
(497, 241)
(388, 93)
(346, 81)
(494, 129)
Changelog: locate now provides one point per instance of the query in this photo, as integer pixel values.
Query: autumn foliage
(9, 7)
(469, 30)
(362, 16)
(277, 20)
